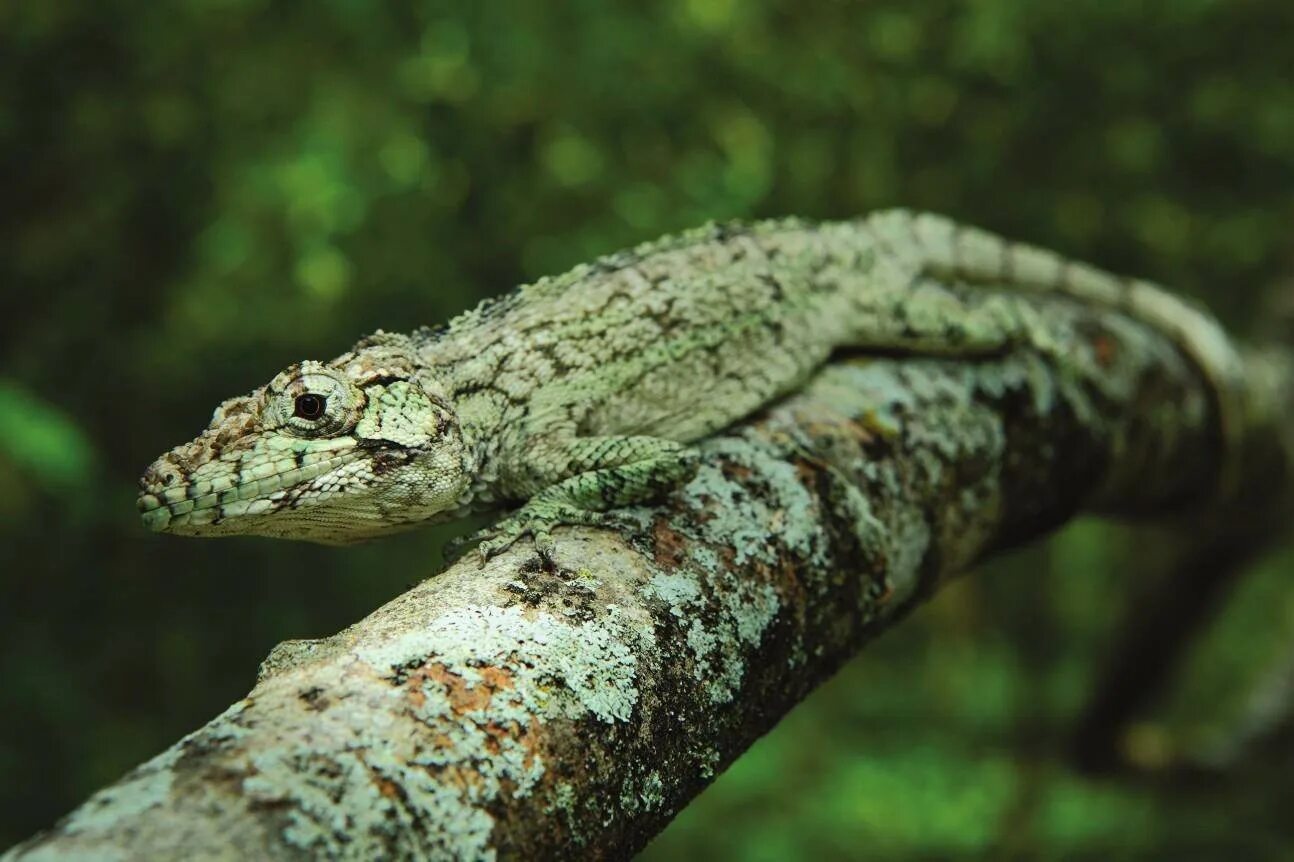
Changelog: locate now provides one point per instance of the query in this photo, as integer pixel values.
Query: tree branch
(513, 711)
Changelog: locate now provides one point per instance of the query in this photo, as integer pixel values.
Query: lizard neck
(462, 376)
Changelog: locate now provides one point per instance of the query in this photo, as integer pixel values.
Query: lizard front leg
(575, 481)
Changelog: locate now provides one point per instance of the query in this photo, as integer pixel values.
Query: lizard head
(331, 452)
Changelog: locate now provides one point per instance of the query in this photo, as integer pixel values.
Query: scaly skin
(579, 393)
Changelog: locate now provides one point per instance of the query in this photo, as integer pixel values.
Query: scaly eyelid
(343, 405)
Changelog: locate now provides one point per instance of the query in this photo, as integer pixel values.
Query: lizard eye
(316, 402)
(309, 406)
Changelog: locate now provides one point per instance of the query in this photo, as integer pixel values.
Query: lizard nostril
(160, 475)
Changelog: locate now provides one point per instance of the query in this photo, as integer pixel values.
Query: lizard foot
(536, 518)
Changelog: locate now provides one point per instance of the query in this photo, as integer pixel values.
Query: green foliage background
(198, 192)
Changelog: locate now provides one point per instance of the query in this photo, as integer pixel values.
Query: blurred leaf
(44, 441)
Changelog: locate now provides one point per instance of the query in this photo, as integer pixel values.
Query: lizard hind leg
(930, 317)
(924, 245)
(596, 474)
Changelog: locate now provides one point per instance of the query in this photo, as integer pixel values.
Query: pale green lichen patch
(709, 758)
(642, 793)
(363, 802)
(588, 668)
(346, 790)
(677, 590)
(724, 615)
(737, 518)
(146, 787)
(910, 538)
(455, 728)
(567, 802)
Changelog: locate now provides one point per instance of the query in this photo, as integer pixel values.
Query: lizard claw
(490, 542)
(456, 548)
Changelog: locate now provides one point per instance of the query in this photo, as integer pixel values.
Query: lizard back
(673, 339)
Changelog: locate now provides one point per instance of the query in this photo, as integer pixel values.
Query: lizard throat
(197, 504)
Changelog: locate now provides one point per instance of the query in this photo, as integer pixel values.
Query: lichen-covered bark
(516, 711)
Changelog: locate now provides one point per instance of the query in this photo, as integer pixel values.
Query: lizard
(580, 393)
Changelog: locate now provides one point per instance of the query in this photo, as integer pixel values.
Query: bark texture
(513, 711)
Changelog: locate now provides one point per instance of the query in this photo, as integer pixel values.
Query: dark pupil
(310, 406)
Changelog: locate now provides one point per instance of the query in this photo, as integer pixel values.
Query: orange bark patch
(464, 696)
(667, 543)
(387, 787)
(468, 702)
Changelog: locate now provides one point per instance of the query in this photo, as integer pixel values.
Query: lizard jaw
(217, 502)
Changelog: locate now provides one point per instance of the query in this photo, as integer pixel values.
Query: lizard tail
(941, 248)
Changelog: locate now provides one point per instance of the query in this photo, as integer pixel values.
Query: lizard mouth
(208, 502)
